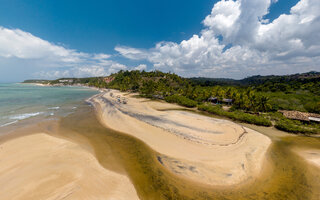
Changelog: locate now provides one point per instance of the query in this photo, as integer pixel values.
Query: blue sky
(98, 26)
(51, 39)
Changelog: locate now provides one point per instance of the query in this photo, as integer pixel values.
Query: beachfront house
(213, 100)
(227, 101)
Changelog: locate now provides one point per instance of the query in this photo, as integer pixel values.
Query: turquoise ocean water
(19, 102)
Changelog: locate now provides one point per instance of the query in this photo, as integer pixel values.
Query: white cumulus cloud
(141, 67)
(27, 56)
(237, 41)
(15, 43)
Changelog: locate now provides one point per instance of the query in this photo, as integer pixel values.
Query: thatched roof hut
(302, 116)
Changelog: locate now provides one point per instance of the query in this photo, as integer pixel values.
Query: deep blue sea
(19, 102)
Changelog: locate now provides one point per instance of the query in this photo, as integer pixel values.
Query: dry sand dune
(40, 166)
(200, 148)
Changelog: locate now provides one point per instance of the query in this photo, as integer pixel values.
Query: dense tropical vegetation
(255, 99)
(236, 115)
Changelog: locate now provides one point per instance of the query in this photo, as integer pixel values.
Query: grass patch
(292, 127)
(236, 115)
(181, 100)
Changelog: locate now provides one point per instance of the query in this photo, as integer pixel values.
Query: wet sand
(199, 148)
(311, 155)
(286, 176)
(40, 166)
(99, 155)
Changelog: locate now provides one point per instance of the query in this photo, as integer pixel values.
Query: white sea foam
(25, 115)
(54, 108)
(9, 123)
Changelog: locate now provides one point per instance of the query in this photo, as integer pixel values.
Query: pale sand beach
(40, 166)
(198, 148)
(311, 155)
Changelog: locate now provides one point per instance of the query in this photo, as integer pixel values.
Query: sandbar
(40, 166)
(196, 147)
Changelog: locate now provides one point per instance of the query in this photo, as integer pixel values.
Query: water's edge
(289, 176)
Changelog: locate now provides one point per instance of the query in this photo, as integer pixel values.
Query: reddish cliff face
(109, 79)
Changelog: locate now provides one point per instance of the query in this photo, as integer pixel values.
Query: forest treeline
(258, 93)
(252, 98)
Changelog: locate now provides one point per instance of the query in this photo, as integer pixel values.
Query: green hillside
(253, 100)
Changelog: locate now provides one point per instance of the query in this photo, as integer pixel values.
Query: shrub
(181, 100)
(236, 115)
(313, 107)
(289, 126)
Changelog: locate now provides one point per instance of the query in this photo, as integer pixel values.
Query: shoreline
(312, 156)
(14, 119)
(221, 154)
(116, 153)
(63, 85)
(38, 162)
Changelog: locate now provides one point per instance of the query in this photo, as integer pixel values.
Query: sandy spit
(311, 155)
(199, 148)
(40, 166)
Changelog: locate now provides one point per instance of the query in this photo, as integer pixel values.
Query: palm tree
(245, 102)
(264, 104)
(221, 93)
(236, 99)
